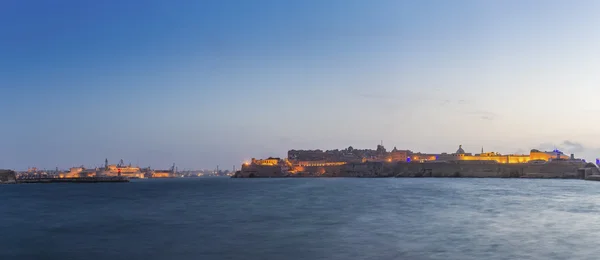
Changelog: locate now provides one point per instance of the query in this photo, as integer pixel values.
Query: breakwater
(73, 180)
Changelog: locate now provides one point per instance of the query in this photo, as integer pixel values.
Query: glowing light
(407, 159)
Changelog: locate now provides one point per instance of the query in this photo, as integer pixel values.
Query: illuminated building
(162, 174)
(122, 170)
(421, 157)
(78, 172)
(547, 156)
(307, 155)
(534, 155)
(398, 155)
(266, 167)
(266, 162)
(318, 163)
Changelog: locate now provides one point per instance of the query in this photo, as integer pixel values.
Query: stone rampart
(7, 176)
(468, 169)
(260, 171)
(464, 169)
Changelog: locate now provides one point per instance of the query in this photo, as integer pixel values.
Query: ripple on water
(303, 219)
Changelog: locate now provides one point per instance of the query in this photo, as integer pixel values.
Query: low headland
(10, 177)
(110, 173)
(380, 163)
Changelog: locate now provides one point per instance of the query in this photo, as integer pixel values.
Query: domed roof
(460, 150)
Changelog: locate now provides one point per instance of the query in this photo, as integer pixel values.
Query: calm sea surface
(221, 218)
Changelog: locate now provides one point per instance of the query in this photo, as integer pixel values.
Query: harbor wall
(7, 176)
(259, 171)
(465, 169)
(320, 171)
(490, 170)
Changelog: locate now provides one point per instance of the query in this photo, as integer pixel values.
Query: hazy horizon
(206, 83)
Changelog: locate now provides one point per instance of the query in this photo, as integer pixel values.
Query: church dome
(460, 150)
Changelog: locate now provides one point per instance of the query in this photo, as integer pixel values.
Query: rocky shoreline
(550, 170)
(8, 177)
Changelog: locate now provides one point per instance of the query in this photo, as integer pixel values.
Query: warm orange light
(319, 163)
(161, 175)
(298, 169)
(511, 159)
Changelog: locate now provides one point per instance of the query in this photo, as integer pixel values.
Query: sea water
(303, 218)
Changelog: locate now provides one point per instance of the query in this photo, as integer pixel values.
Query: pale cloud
(484, 115)
(573, 147)
(568, 146)
(469, 107)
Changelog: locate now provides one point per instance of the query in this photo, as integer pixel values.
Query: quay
(73, 180)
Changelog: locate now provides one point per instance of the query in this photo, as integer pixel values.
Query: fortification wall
(7, 176)
(459, 169)
(555, 170)
(368, 169)
(260, 171)
(468, 169)
(322, 171)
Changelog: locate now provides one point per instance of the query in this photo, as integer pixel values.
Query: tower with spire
(460, 150)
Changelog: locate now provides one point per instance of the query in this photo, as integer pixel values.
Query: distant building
(399, 155)
(534, 155)
(264, 168)
(320, 162)
(271, 161)
(78, 172)
(125, 171)
(162, 174)
(422, 157)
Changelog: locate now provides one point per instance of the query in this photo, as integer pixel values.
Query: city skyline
(206, 83)
(543, 148)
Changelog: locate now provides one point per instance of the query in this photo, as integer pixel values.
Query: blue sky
(206, 83)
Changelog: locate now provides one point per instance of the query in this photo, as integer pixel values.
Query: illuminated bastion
(534, 155)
